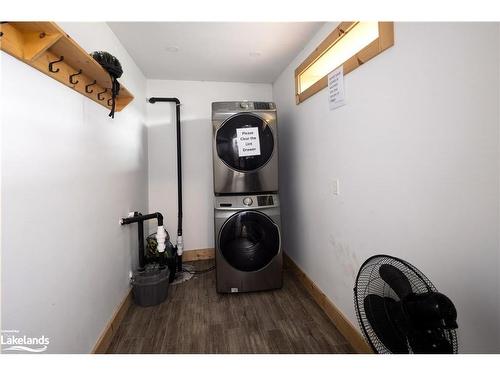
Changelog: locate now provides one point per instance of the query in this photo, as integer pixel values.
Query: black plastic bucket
(150, 287)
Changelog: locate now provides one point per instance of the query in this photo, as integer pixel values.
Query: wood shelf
(40, 43)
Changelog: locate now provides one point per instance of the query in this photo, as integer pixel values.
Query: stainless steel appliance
(245, 147)
(248, 251)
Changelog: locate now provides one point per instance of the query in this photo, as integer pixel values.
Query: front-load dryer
(248, 253)
(245, 147)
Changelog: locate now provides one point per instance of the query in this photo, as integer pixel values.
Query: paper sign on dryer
(248, 141)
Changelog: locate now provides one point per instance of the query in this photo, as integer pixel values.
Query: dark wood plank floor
(195, 319)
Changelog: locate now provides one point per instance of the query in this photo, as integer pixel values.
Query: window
(351, 44)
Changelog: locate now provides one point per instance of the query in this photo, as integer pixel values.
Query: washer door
(249, 240)
(227, 142)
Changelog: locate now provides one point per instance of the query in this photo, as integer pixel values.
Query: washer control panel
(232, 202)
(257, 105)
(247, 201)
(265, 200)
(244, 105)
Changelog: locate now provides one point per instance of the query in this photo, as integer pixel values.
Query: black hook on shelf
(73, 75)
(99, 94)
(1, 32)
(87, 87)
(51, 64)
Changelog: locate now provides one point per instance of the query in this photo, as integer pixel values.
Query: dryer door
(234, 155)
(249, 240)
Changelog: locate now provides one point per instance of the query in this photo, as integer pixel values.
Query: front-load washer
(245, 147)
(248, 253)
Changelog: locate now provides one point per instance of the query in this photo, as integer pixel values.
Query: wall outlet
(336, 187)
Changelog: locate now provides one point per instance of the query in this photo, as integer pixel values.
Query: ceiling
(214, 51)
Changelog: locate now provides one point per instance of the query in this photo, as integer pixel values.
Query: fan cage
(369, 281)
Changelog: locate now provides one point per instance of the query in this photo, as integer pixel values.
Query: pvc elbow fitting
(161, 236)
(180, 246)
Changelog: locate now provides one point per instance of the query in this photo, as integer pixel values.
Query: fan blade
(429, 342)
(377, 311)
(396, 280)
(431, 310)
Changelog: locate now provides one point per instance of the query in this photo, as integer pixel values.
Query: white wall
(196, 98)
(68, 174)
(416, 150)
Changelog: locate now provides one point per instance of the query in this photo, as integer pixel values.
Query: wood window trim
(384, 41)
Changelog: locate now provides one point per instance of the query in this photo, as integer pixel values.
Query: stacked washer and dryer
(248, 251)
